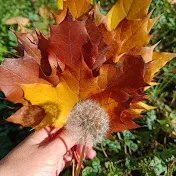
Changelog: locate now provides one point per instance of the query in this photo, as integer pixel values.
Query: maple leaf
(121, 91)
(158, 61)
(15, 71)
(94, 50)
(30, 47)
(133, 33)
(72, 36)
(58, 101)
(76, 8)
(97, 57)
(46, 71)
(127, 35)
(34, 46)
(123, 9)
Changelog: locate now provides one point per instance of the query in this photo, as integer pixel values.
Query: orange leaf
(133, 33)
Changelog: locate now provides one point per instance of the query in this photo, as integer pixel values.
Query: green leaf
(131, 145)
(112, 145)
(158, 166)
(95, 170)
(113, 169)
(130, 163)
(128, 135)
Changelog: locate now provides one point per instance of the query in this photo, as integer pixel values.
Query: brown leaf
(15, 71)
(27, 116)
(45, 11)
(18, 20)
(30, 46)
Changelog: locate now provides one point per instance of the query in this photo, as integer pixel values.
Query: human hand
(44, 153)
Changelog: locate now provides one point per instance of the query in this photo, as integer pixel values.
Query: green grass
(148, 151)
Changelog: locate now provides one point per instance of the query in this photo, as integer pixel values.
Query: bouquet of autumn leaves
(89, 77)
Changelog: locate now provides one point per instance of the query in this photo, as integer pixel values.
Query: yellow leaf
(118, 12)
(151, 23)
(138, 9)
(60, 4)
(56, 101)
(129, 9)
(159, 60)
(140, 107)
(76, 7)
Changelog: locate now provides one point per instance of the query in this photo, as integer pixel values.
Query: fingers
(43, 135)
(65, 161)
(61, 144)
(57, 141)
(61, 166)
(89, 152)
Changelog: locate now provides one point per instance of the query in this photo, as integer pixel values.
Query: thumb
(61, 143)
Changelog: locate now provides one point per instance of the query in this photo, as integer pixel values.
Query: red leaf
(132, 74)
(43, 44)
(46, 72)
(94, 51)
(67, 40)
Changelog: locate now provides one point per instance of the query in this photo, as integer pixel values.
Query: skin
(44, 153)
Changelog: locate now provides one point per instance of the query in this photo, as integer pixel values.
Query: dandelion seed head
(88, 122)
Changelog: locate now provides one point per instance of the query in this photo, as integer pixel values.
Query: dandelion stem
(73, 167)
(81, 160)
